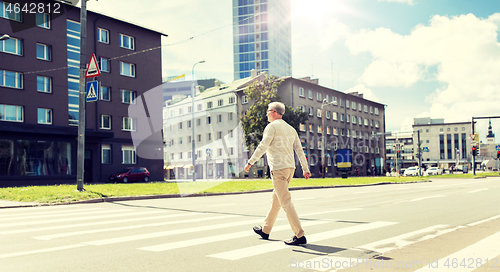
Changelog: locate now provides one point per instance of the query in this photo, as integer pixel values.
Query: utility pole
(419, 154)
(81, 109)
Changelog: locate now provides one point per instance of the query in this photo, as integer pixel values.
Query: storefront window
(43, 158)
(6, 157)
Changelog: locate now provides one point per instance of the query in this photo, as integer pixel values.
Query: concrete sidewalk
(17, 204)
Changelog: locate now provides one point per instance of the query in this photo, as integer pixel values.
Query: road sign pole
(473, 155)
(81, 102)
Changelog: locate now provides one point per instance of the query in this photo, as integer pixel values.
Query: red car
(131, 174)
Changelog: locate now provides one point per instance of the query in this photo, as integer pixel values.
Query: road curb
(144, 197)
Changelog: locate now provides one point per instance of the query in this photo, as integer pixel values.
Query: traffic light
(398, 154)
(474, 151)
(498, 154)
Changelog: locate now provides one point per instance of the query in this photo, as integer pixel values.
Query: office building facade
(262, 37)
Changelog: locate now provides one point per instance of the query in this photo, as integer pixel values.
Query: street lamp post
(193, 92)
(323, 142)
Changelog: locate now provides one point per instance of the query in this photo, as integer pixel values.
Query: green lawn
(68, 193)
(468, 175)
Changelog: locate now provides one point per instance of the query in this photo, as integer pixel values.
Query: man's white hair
(278, 107)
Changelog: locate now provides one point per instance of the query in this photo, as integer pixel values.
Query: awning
(169, 167)
(187, 166)
(179, 166)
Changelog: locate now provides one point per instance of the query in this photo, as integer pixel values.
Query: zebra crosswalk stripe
(261, 249)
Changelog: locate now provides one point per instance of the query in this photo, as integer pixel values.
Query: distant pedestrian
(279, 142)
(357, 171)
(373, 171)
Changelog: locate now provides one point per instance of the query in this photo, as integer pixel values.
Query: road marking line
(29, 252)
(325, 263)
(169, 233)
(220, 205)
(29, 223)
(59, 235)
(61, 215)
(400, 241)
(180, 231)
(485, 249)
(484, 220)
(94, 223)
(43, 214)
(427, 197)
(305, 198)
(479, 190)
(334, 211)
(218, 238)
(261, 249)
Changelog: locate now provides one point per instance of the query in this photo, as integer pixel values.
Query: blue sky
(421, 58)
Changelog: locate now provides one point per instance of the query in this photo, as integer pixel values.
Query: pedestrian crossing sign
(92, 88)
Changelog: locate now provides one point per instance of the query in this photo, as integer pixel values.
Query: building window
(311, 128)
(220, 102)
(105, 93)
(219, 152)
(189, 123)
(232, 100)
(371, 110)
(128, 124)
(11, 79)
(105, 121)
(376, 124)
(43, 20)
(360, 120)
(44, 84)
(103, 35)
(198, 137)
(302, 108)
(328, 115)
(353, 106)
(128, 97)
(319, 96)
(105, 65)
(366, 122)
(127, 69)
(354, 119)
(376, 111)
(244, 99)
(328, 130)
(327, 98)
(341, 117)
(43, 51)
(209, 120)
(301, 92)
(209, 105)
(7, 11)
(209, 136)
(128, 154)
(127, 42)
(334, 100)
(229, 116)
(302, 127)
(106, 154)
(365, 107)
(334, 116)
(310, 94)
(12, 45)
(219, 135)
(44, 116)
(347, 118)
(311, 111)
(347, 103)
(335, 131)
(11, 113)
(219, 118)
(359, 107)
(230, 133)
(318, 112)
(198, 122)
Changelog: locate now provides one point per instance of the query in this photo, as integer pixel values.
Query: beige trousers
(282, 198)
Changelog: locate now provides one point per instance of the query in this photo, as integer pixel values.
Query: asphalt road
(387, 224)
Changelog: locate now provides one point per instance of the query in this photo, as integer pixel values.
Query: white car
(433, 171)
(412, 171)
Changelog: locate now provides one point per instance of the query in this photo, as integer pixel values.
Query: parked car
(411, 171)
(433, 171)
(131, 174)
(459, 168)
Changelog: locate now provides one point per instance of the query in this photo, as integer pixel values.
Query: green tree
(263, 92)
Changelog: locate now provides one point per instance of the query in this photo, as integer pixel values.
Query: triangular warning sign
(92, 69)
(91, 93)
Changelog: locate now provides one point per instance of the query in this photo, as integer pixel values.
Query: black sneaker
(294, 241)
(258, 230)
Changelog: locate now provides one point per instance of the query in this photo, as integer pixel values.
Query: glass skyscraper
(262, 37)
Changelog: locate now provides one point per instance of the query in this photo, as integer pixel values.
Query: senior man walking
(278, 142)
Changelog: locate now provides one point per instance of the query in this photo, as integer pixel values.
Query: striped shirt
(278, 142)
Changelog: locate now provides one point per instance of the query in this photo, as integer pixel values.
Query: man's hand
(247, 168)
(307, 175)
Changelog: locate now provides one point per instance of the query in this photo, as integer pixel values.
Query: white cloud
(464, 49)
(367, 93)
(409, 2)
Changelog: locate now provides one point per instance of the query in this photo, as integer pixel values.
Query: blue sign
(92, 88)
(425, 149)
(498, 147)
(344, 159)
